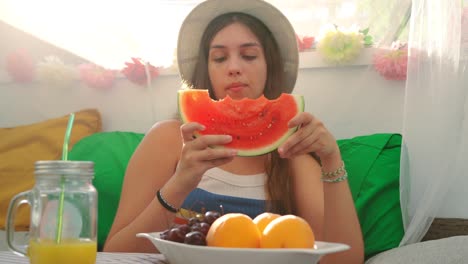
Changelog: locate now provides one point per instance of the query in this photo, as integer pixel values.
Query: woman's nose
(234, 67)
(234, 72)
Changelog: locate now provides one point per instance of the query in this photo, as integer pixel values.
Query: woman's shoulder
(160, 139)
(166, 125)
(167, 131)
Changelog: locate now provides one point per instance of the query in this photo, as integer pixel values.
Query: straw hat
(195, 23)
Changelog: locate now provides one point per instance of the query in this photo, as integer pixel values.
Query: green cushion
(373, 165)
(110, 152)
(372, 162)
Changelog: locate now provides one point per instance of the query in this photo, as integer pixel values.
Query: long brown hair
(279, 183)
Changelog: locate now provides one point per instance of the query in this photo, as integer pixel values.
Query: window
(383, 18)
(111, 32)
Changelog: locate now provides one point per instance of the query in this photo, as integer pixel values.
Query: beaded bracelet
(339, 179)
(165, 204)
(335, 173)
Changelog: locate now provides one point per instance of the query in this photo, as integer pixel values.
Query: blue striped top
(226, 192)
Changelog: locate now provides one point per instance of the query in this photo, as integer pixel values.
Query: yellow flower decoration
(340, 46)
(54, 72)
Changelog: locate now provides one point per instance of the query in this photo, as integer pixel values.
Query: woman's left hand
(311, 136)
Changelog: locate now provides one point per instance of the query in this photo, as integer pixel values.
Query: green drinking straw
(62, 194)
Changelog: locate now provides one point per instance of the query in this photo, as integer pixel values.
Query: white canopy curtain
(435, 131)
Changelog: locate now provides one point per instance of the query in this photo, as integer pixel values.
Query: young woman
(247, 48)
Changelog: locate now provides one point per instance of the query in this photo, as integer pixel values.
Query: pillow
(373, 165)
(372, 162)
(21, 146)
(110, 152)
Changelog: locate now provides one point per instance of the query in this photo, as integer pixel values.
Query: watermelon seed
(238, 137)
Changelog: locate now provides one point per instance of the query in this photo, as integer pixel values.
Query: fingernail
(233, 152)
(228, 137)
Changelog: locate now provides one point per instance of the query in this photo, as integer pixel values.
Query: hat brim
(196, 22)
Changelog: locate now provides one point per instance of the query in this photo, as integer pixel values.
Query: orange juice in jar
(63, 204)
(67, 251)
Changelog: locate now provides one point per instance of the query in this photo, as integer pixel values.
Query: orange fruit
(233, 230)
(288, 231)
(263, 219)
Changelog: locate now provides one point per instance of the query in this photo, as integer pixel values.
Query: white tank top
(227, 192)
(222, 182)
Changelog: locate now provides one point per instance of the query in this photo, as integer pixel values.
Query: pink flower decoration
(392, 64)
(304, 43)
(96, 76)
(20, 66)
(136, 71)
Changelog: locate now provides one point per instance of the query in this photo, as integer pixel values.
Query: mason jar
(63, 204)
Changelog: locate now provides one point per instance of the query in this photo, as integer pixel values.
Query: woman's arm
(328, 207)
(308, 192)
(338, 213)
(169, 159)
(150, 167)
(341, 223)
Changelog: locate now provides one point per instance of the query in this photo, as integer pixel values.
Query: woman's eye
(250, 57)
(219, 59)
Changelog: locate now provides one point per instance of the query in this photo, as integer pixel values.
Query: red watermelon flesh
(257, 126)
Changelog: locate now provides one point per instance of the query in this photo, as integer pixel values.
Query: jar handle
(17, 200)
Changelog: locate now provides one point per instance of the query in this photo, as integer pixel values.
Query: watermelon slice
(257, 126)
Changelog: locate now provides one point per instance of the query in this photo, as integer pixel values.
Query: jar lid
(64, 167)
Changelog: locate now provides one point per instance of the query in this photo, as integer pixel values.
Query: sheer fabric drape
(435, 129)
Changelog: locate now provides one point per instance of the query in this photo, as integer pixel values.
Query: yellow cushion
(21, 146)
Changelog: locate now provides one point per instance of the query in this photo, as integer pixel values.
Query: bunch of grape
(194, 232)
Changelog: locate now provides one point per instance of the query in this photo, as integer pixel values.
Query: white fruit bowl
(179, 253)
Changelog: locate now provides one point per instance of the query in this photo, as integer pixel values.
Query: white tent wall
(335, 95)
(352, 100)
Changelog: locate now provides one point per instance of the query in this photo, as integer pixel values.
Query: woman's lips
(236, 87)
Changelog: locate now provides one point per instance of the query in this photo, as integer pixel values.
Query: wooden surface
(446, 227)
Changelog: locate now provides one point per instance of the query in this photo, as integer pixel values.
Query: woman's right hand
(198, 155)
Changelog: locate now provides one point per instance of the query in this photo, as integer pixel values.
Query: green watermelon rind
(265, 149)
